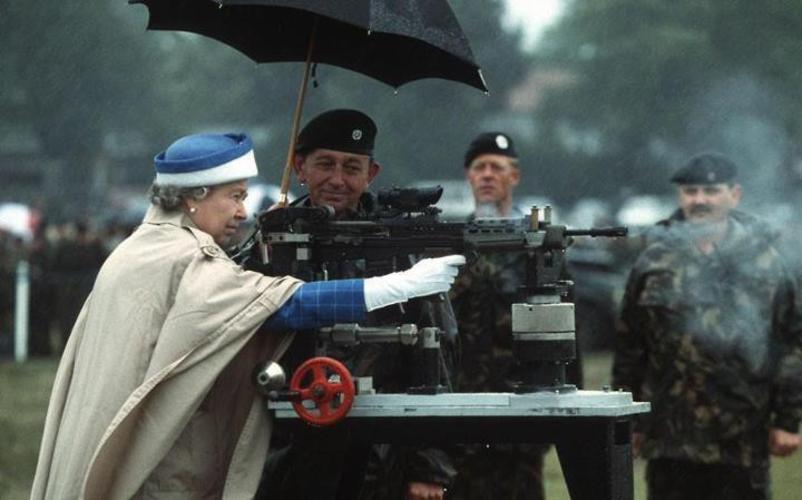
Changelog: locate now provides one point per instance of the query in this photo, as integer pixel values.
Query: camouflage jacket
(482, 295)
(714, 342)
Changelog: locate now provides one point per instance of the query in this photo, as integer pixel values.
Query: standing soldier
(711, 337)
(482, 297)
(334, 160)
(484, 292)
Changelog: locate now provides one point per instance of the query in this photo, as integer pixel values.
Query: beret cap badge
(497, 143)
(346, 130)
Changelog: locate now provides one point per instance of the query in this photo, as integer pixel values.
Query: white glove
(427, 277)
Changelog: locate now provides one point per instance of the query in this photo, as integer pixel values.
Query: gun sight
(410, 199)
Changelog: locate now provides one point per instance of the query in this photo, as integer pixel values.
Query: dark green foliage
(653, 82)
(73, 73)
(657, 81)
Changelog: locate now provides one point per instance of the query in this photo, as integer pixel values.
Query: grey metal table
(591, 429)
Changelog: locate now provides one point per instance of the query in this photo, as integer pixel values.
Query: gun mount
(591, 429)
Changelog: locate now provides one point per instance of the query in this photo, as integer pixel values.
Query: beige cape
(153, 397)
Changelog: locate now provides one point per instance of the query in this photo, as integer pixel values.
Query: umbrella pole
(296, 121)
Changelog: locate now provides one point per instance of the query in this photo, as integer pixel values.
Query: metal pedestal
(591, 429)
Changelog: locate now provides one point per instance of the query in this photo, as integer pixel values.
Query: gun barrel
(608, 232)
(352, 333)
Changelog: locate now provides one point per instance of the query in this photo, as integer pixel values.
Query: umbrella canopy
(392, 41)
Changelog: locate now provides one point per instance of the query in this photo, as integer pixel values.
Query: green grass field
(24, 393)
(25, 389)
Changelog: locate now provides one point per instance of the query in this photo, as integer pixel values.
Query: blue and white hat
(206, 160)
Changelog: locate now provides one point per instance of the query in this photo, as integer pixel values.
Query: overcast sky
(533, 16)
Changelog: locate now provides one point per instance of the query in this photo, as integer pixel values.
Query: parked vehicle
(599, 280)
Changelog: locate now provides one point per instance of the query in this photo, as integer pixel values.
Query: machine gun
(308, 243)
(591, 429)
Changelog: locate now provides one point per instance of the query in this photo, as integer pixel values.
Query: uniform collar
(745, 233)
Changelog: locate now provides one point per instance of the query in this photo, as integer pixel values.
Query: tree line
(644, 84)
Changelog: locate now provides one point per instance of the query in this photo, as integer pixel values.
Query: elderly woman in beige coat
(153, 399)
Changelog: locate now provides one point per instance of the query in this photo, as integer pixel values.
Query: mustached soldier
(711, 337)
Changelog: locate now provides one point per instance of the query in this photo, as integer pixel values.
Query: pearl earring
(192, 210)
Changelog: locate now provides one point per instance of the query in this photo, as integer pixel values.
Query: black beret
(706, 168)
(345, 130)
(497, 143)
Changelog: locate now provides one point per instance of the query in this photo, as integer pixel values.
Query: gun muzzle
(607, 232)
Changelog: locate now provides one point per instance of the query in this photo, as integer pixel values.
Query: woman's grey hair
(171, 197)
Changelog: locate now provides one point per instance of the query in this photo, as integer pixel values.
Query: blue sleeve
(321, 303)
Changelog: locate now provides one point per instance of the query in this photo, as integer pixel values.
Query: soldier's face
(335, 178)
(221, 211)
(705, 203)
(492, 178)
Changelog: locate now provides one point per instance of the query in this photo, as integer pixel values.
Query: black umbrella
(392, 41)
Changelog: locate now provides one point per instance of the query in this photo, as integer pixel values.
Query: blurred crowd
(63, 261)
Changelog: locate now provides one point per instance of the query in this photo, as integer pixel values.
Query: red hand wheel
(327, 384)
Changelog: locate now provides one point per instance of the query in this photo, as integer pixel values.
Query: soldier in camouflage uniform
(711, 336)
(482, 297)
(334, 159)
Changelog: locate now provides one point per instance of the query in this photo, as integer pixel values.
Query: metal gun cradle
(591, 429)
